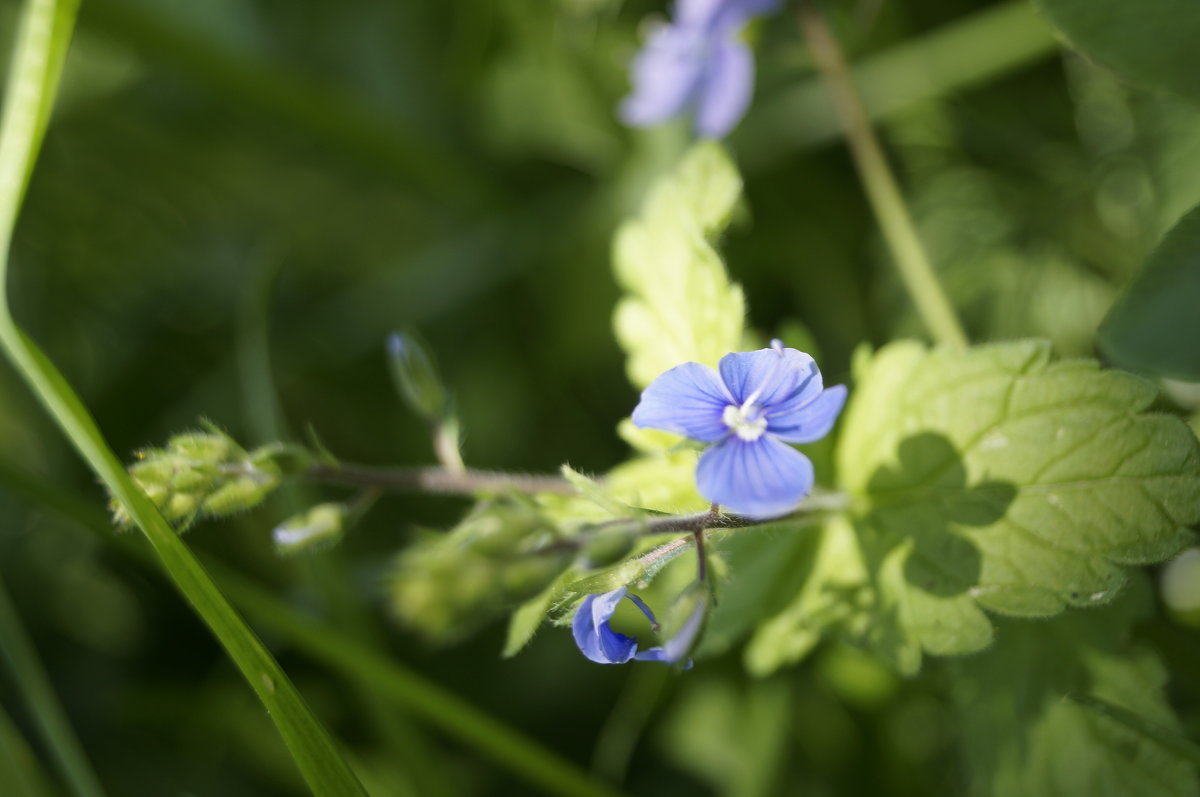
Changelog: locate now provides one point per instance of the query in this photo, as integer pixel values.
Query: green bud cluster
(499, 556)
(207, 474)
(416, 377)
(315, 529)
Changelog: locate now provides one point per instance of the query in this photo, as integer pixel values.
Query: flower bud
(205, 446)
(238, 495)
(319, 528)
(200, 478)
(416, 377)
(281, 459)
(499, 529)
(179, 508)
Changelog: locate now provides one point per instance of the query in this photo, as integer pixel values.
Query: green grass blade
(20, 773)
(17, 651)
(42, 40)
(375, 673)
(351, 659)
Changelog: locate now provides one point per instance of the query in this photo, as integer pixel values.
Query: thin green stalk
(43, 37)
(887, 202)
(626, 723)
(971, 51)
(1164, 737)
(378, 674)
(17, 651)
(21, 774)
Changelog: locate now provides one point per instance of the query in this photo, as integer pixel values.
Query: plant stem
(438, 480)
(880, 185)
(973, 50)
(49, 716)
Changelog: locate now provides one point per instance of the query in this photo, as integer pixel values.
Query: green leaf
(834, 578)
(593, 491)
(1152, 42)
(736, 741)
(1021, 734)
(659, 482)
(679, 305)
(529, 615)
(992, 478)
(1154, 326)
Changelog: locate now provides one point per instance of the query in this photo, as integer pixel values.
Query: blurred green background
(238, 199)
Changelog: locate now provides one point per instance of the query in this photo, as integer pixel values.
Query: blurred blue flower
(761, 401)
(601, 644)
(696, 63)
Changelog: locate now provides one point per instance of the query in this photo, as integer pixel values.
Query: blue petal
(688, 400)
(804, 423)
(699, 13)
(777, 378)
(665, 75)
(721, 15)
(593, 635)
(658, 653)
(724, 93)
(761, 478)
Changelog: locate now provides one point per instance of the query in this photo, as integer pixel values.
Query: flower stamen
(747, 421)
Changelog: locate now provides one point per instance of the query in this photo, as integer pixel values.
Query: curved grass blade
(20, 773)
(357, 663)
(17, 651)
(43, 36)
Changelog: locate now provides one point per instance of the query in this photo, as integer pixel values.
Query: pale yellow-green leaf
(679, 304)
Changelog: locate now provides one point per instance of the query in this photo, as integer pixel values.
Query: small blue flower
(696, 63)
(761, 401)
(601, 644)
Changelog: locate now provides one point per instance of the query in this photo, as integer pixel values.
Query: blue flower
(696, 63)
(601, 644)
(761, 401)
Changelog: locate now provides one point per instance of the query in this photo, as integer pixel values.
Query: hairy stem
(698, 524)
(437, 480)
(887, 202)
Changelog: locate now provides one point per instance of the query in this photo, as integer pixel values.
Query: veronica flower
(696, 63)
(759, 403)
(600, 643)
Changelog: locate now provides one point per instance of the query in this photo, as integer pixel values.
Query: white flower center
(748, 421)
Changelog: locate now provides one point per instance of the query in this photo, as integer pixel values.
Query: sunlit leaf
(992, 478)
(679, 305)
